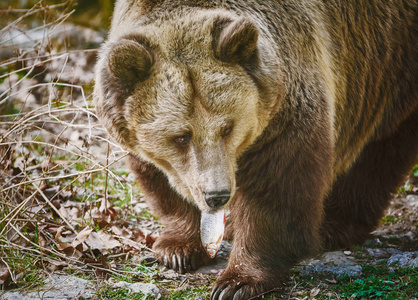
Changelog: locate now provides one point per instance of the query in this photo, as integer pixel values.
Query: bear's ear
(130, 61)
(235, 41)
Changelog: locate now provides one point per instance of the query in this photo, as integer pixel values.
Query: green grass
(139, 273)
(148, 215)
(190, 293)
(389, 219)
(27, 267)
(407, 187)
(415, 171)
(382, 283)
(124, 293)
(121, 294)
(376, 282)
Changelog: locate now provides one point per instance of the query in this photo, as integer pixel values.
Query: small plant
(389, 219)
(121, 294)
(382, 283)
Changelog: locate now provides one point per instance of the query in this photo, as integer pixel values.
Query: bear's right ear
(130, 61)
(235, 41)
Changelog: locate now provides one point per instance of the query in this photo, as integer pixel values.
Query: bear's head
(190, 95)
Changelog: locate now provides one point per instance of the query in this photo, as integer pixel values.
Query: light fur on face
(185, 91)
(184, 101)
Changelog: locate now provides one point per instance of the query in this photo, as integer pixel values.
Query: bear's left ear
(235, 41)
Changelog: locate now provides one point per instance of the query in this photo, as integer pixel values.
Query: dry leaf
(333, 281)
(69, 250)
(132, 244)
(314, 292)
(42, 241)
(81, 237)
(58, 235)
(64, 212)
(122, 232)
(4, 274)
(73, 214)
(109, 241)
(104, 205)
(68, 238)
(20, 163)
(54, 265)
(151, 238)
(94, 242)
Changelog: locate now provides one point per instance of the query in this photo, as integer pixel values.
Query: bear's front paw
(180, 254)
(241, 287)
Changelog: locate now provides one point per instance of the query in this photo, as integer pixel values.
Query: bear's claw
(179, 254)
(236, 286)
(228, 293)
(180, 263)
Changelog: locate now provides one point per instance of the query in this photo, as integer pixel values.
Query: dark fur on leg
(179, 246)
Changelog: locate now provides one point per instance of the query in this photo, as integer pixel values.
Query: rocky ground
(394, 244)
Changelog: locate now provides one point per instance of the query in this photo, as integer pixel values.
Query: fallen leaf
(81, 237)
(314, 292)
(69, 250)
(56, 265)
(42, 241)
(109, 241)
(64, 212)
(4, 274)
(332, 281)
(94, 242)
(73, 214)
(122, 232)
(103, 223)
(138, 235)
(131, 243)
(20, 163)
(104, 205)
(150, 240)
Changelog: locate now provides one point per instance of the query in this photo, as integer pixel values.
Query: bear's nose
(217, 199)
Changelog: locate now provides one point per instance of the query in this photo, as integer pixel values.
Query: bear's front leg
(263, 251)
(276, 215)
(179, 246)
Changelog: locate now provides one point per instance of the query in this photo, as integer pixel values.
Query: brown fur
(322, 100)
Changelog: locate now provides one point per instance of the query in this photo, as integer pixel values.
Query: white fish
(212, 227)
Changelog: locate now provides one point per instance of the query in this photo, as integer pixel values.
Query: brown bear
(298, 116)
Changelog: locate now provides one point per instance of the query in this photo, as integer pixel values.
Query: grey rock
(58, 287)
(382, 253)
(404, 260)
(138, 287)
(335, 262)
(412, 200)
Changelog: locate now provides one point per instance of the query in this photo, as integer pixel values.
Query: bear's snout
(216, 199)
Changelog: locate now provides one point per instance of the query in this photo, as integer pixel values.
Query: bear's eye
(226, 131)
(182, 140)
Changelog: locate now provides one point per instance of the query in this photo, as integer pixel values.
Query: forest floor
(73, 222)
